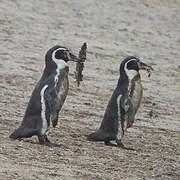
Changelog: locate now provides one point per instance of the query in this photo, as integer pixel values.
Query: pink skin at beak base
(69, 57)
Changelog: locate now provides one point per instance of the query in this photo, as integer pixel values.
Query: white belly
(137, 96)
(63, 91)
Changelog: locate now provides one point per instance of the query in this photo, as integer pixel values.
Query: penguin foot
(121, 145)
(43, 140)
(108, 143)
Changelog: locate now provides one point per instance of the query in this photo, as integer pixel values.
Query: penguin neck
(60, 66)
(122, 84)
(54, 67)
(127, 80)
(133, 76)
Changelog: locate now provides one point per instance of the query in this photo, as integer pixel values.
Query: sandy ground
(113, 30)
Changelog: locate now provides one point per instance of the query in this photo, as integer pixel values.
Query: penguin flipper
(127, 106)
(23, 132)
(52, 100)
(125, 103)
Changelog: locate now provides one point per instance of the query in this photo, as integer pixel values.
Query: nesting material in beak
(145, 67)
(80, 64)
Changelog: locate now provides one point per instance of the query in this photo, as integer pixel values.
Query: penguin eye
(63, 52)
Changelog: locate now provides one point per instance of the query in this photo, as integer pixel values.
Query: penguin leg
(120, 136)
(43, 135)
(123, 106)
(121, 130)
(43, 139)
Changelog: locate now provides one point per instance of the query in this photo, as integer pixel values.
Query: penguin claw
(108, 143)
(43, 140)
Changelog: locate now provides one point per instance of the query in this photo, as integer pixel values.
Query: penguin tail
(96, 136)
(23, 132)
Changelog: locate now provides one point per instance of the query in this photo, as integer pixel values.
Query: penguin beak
(145, 67)
(72, 57)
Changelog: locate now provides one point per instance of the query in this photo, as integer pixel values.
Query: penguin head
(60, 53)
(131, 66)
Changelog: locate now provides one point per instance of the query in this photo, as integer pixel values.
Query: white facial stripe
(61, 64)
(54, 53)
(130, 73)
(125, 66)
(43, 111)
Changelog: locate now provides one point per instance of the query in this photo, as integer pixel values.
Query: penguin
(123, 105)
(47, 97)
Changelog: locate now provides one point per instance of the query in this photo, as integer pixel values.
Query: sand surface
(113, 30)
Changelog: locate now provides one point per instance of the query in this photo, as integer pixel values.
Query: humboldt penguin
(124, 103)
(48, 96)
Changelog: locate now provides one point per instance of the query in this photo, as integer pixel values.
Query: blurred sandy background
(113, 30)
